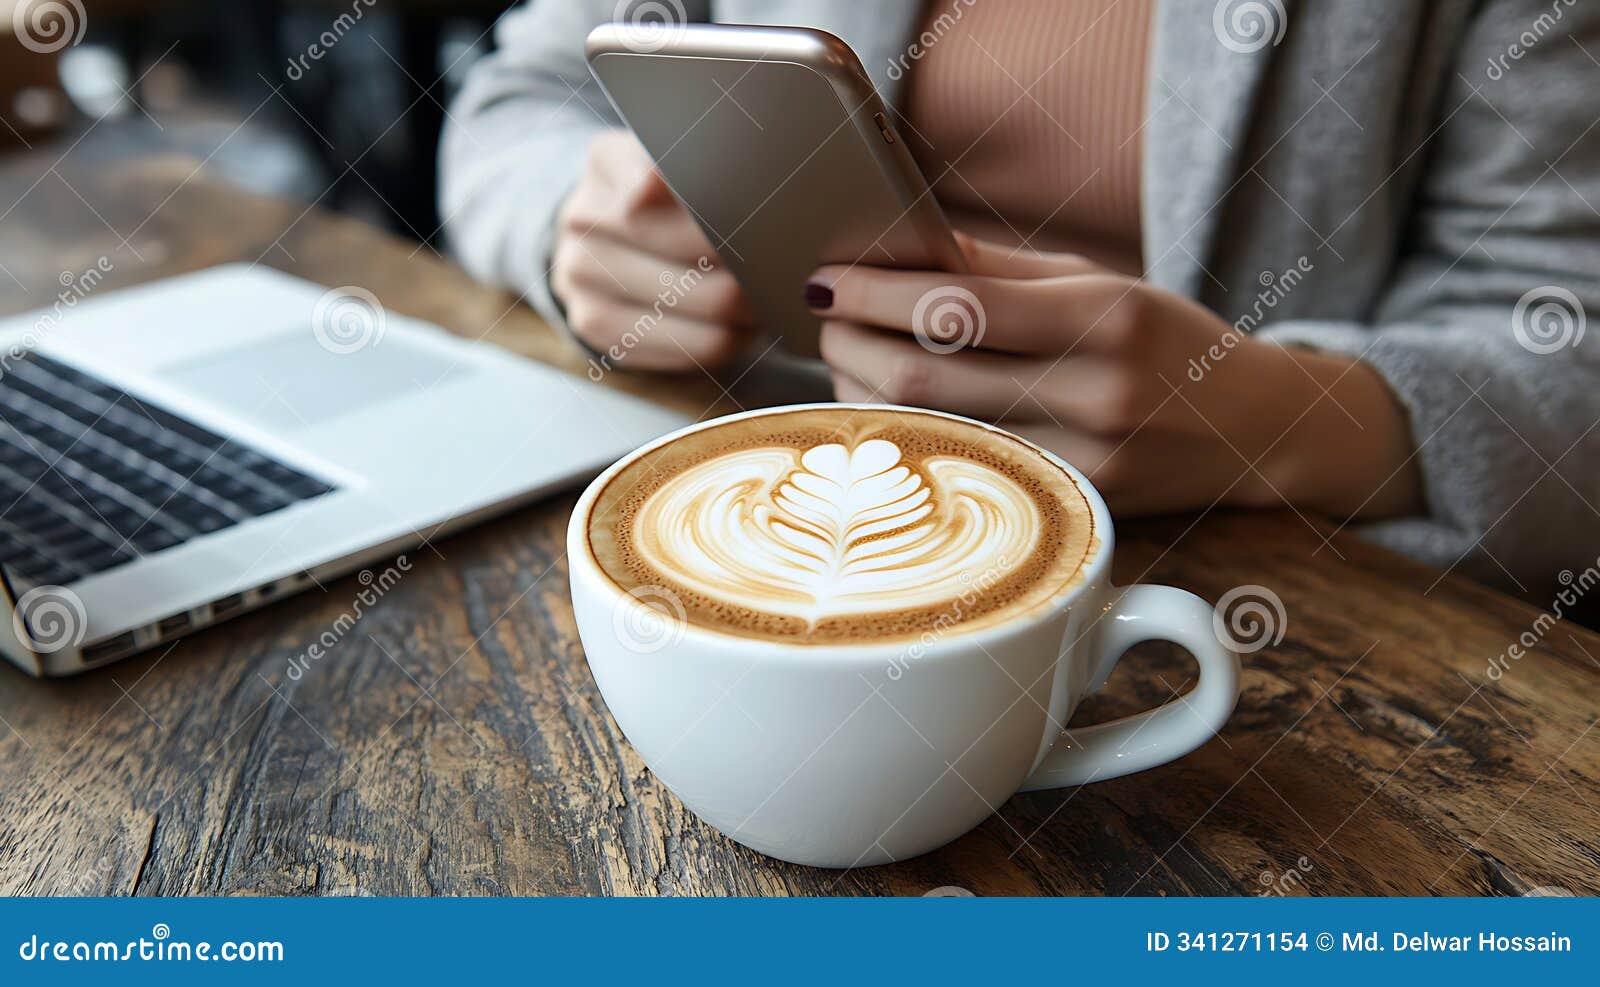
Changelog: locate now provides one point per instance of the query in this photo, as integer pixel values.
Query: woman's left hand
(1162, 404)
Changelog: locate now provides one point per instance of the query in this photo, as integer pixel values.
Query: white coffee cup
(846, 755)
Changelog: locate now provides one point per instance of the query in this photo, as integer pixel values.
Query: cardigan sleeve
(1484, 334)
(516, 140)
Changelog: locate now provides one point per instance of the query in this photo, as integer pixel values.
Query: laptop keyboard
(92, 477)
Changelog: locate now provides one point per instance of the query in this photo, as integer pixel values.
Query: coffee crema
(830, 525)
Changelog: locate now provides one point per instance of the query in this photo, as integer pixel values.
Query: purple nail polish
(818, 295)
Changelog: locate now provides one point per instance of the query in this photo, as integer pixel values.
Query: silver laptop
(179, 453)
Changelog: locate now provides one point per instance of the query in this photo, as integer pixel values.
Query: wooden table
(456, 744)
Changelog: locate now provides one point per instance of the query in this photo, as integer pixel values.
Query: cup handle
(1156, 736)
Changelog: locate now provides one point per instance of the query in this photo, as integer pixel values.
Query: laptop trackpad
(290, 381)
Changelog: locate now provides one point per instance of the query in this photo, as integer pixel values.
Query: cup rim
(1094, 572)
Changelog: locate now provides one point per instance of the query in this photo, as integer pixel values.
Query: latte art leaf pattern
(835, 531)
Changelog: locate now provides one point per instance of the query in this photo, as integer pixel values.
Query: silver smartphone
(776, 141)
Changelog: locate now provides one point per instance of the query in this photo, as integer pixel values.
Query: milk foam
(835, 531)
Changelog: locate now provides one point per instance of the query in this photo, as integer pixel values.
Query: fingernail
(818, 295)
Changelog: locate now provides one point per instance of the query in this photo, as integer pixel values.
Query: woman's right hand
(638, 278)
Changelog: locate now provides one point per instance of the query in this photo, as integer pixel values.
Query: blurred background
(337, 102)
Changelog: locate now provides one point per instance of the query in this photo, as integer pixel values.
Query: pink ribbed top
(1026, 117)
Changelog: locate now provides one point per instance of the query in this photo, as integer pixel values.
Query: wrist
(1349, 452)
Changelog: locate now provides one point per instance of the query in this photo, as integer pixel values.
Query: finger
(1096, 395)
(1048, 315)
(990, 259)
(626, 335)
(699, 291)
(664, 229)
(895, 370)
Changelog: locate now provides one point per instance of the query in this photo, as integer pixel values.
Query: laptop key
(152, 539)
(91, 477)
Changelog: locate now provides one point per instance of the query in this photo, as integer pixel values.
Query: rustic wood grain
(454, 742)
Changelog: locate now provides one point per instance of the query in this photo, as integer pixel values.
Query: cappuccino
(839, 525)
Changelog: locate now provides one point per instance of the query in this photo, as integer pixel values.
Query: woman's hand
(1115, 377)
(640, 282)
